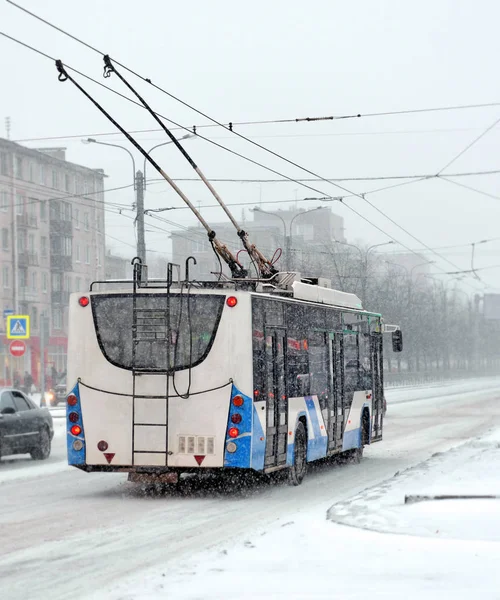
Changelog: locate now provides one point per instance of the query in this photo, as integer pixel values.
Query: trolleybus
(179, 377)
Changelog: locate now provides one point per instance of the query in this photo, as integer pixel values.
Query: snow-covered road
(65, 533)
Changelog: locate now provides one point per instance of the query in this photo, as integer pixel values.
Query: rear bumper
(156, 470)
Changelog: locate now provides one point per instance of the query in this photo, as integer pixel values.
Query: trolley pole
(141, 244)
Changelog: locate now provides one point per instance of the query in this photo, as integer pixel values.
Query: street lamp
(352, 246)
(138, 182)
(335, 263)
(409, 273)
(444, 286)
(289, 249)
(389, 262)
(365, 277)
(376, 246)
(93, 141)
(287, 238)
(427, 262)
(184, 137)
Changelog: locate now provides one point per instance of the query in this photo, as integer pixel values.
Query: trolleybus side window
(365, 363)
(319, 366)
(351, 364)
(259, 347)
(274, 313)
(297, 351)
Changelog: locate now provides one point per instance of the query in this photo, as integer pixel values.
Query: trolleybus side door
(276, 397)
(336, 403)
(378, 386)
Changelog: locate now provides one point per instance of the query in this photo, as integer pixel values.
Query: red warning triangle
(199, 459)
(109, 456)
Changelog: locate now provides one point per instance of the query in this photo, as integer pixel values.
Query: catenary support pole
(141, 242)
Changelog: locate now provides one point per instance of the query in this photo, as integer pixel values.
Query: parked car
(57, 393)
(24, 426)
(60, 391)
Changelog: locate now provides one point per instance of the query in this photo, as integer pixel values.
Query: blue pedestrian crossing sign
(18, 327)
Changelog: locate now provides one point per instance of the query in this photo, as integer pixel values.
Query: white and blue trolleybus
(172, 377)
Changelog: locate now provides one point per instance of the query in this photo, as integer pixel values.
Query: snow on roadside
(443, 389)
(471, 468)
(453, 549)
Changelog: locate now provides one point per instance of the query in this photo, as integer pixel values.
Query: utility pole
(475, 332)
(288, 250)
(44, 336)
(15, 253)
(141, 244)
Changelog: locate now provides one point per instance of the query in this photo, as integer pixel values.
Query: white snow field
(71, 534)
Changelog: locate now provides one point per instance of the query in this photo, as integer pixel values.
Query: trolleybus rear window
(184, 324)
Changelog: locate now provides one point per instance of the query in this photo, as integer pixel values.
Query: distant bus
(168, 378)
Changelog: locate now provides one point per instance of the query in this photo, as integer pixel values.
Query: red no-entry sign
(17, 348)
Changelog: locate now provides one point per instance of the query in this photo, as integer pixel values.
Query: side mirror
(397, 340)
(9, 410)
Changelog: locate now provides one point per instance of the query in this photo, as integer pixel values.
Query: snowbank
(470, 469)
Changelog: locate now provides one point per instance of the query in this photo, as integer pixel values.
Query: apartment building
(52, 243)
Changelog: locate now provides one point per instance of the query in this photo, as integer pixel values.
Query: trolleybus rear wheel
(298, 470)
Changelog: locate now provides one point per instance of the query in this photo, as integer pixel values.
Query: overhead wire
(82, 197)
(469, 146)
(234, 132)
(272, 152)
(261, 136)
(468, 187)
(215, 143)
(123, 96)
(311, 179)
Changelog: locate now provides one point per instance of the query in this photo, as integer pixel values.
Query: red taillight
(238, 401)
(233, 432)
(72, 400)
(73, 417)
(236, 418)
(76, 430)
(102, 446)
(232, 301)
(83, 301)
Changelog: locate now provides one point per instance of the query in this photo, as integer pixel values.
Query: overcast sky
(266, 60)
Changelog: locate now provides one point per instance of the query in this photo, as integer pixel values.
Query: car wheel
(298, 470)
(43, 450)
